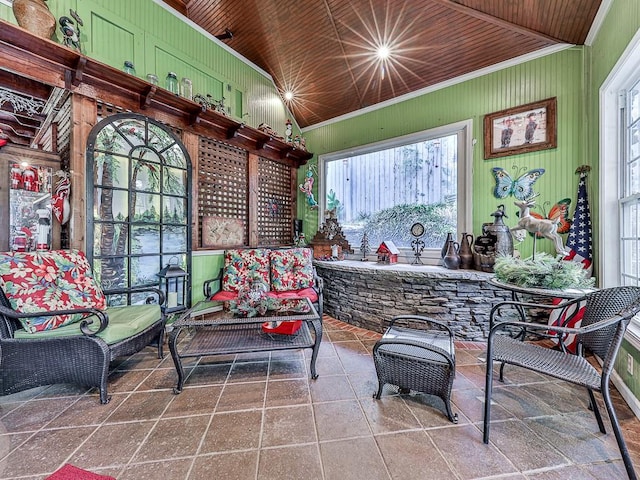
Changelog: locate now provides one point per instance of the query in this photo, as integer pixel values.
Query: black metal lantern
(173, 283)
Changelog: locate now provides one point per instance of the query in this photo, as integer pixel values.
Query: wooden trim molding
(51, 63)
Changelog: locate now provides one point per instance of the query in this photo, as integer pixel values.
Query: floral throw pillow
(291, 269)
(243, 264)
(46, 281)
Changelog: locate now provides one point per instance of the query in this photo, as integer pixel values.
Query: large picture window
(630, 189)
(619, 174)
(384, 188)
(138, 192)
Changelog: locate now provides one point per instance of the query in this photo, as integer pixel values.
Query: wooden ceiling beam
(178, 5)
(450, 4)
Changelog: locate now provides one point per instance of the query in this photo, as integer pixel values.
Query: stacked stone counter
(368, 295)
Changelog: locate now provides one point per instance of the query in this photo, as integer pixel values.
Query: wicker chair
(82, 359)
(606, 317)
(417, 359)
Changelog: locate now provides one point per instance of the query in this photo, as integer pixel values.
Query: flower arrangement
(543, 271)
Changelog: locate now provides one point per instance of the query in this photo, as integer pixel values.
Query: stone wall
(368, 295)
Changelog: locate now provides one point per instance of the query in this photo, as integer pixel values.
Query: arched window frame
(137, 135)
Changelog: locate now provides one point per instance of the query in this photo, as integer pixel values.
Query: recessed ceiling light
(383, 52)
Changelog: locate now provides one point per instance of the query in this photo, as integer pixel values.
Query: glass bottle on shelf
(129, 68)
(172, 83)
(186, 88)
(152, 78)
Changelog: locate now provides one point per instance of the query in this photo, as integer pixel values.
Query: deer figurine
(540, 226)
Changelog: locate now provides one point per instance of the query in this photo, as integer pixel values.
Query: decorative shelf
(54, 64)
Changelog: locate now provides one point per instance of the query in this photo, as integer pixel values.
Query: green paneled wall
(126, 41)
(203, 267)
(559, 75)
(119, 30)
(158, 42)
(621, 24)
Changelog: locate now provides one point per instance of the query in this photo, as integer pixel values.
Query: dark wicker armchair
(81, 359)
(417, 359)
(606, 317)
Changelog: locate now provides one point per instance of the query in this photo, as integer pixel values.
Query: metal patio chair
(606, 317)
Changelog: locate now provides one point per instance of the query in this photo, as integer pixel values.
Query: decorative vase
(35, 17)
(465, 252)
(443, 252)
(452, 259)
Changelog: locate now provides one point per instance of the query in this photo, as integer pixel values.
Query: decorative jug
(500, 231)
(465, 252)
(443, 252)
(452, 260)
(34, 16)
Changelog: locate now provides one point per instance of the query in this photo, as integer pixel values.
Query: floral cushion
(291, 269)
(46, 281)
(242, 265)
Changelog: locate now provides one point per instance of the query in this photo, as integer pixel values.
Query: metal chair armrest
(577, 331)
(206, 286)
(84, 323)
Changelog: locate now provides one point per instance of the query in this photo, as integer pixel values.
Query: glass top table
(566, 293)
(567, 314)
(207, 330)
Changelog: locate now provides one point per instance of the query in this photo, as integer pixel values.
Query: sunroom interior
(289, 121)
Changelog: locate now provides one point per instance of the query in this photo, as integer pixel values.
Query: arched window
(138, 202)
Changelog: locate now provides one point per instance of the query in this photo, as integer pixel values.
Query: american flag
(580, 250)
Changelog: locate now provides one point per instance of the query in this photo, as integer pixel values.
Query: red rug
(69, 472)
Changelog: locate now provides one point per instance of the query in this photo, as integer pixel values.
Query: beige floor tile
(259, 417)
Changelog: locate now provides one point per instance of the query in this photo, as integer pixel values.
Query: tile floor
(260, 417)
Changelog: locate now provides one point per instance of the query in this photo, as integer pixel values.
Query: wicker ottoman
(420, 359)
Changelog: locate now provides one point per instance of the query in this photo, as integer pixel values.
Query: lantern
(173, 283)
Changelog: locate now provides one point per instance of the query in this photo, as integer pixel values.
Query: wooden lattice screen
(106, 109)
(223, 194)
(275, 216)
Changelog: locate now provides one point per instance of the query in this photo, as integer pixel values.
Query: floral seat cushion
(242, 265)
(291, 269)
(46, 281)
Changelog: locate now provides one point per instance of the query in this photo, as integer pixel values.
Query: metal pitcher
(500, 231)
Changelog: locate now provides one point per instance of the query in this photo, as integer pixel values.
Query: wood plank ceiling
(324, 50)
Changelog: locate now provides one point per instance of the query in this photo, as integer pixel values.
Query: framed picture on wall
(522, 129)
(220, 232)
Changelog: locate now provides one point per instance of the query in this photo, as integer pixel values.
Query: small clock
(417, 230)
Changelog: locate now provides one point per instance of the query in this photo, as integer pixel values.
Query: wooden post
(83, 118)
(253, 199)
(191, 143)
(294, 198)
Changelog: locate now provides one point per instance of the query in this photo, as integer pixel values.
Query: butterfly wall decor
(559, 211)
(521, 187)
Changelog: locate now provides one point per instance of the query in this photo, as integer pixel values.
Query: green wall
(558, 75)
(621, 24)
(158, 42)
